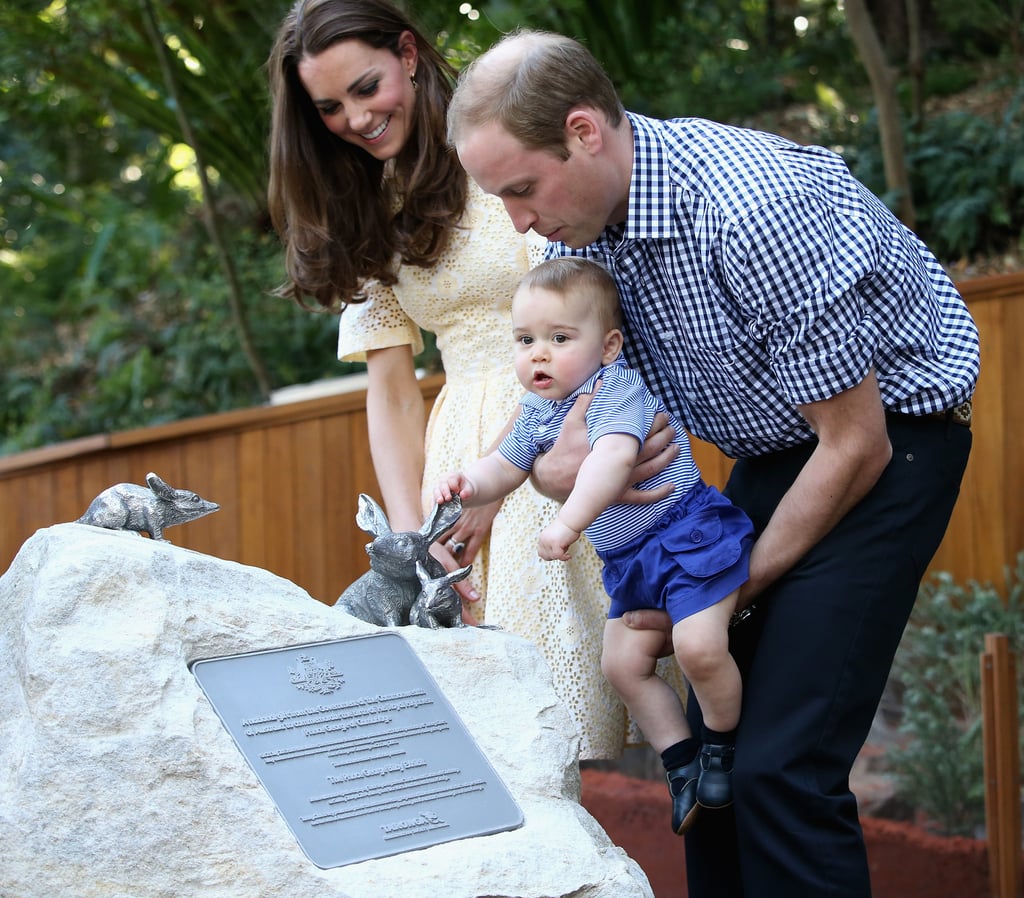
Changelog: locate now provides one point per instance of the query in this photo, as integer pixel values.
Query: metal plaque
(358, 747)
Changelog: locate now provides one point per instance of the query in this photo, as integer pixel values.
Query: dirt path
(906, 862)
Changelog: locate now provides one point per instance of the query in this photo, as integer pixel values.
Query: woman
(377, 217)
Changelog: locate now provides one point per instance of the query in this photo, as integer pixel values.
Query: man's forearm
(852, 452)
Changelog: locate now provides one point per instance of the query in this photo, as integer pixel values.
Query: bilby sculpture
(128, 506)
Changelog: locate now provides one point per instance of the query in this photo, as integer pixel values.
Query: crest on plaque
(311, 676)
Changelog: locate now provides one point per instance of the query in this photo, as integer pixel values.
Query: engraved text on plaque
(358, 747)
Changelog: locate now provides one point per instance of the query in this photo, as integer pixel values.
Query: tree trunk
(889, 19)
(890, 126)
(915, 62)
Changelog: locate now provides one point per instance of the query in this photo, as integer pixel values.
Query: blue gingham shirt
(622, 405)
(757, 275)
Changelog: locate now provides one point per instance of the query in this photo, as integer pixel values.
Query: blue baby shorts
(693, 557)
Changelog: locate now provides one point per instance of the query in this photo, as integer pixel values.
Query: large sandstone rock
(117, 778)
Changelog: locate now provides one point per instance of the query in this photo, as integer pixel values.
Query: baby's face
(559, 341)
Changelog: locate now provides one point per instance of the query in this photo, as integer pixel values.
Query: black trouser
(815, 657)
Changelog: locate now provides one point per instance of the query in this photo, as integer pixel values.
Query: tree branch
(210, 216)
(890, 126)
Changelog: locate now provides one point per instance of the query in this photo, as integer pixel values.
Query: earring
(412, 78)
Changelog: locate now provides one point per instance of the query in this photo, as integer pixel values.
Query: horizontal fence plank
(287, 477)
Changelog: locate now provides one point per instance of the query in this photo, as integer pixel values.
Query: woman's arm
(474, 524)
(396, 420)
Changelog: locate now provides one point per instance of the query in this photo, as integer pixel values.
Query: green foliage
(983, 28)
(117, 314)
(115, 311)
(937, 670)
(723, 61)
(967, 176)
(145, 335)
(98, 85)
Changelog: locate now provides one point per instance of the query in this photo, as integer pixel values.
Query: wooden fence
(287, 476)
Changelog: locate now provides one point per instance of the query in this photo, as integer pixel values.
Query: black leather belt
(959, 414)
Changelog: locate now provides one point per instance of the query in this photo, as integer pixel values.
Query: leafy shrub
(967, 178)
(146, 335)
(937, 672)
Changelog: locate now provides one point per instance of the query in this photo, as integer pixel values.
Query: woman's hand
(443, 552)
(470, 531)
(461, 545)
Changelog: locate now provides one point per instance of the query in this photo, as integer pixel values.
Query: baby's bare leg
(702, 648)
(628, 662)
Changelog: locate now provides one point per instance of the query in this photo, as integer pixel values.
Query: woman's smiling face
(364, 95)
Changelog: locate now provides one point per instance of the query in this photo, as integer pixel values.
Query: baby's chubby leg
(701, 643)
(628, 662)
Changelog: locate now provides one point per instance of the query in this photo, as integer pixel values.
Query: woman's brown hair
(341, 221)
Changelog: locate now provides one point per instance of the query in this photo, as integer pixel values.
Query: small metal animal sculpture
(386, 593)
(438, 605)
(127, 506)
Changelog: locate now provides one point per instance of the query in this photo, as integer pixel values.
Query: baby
(687, 553)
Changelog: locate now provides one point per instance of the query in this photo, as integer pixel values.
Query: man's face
(571, 201)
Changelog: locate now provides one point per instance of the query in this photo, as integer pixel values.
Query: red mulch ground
(906, 862)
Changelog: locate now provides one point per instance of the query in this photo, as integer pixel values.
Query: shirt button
(696, 536)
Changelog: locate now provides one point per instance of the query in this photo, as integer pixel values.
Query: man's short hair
(528, 82)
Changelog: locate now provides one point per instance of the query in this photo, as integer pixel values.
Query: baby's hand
(555, 540)
(453, 484)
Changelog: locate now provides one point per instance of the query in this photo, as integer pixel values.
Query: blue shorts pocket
(704, 546)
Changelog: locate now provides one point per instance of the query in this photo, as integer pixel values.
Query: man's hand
(656, 454)
(554, 472)
(652, 619)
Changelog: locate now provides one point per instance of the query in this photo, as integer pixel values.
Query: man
(784, 314)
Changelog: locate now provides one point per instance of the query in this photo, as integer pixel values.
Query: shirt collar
(650, 198)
